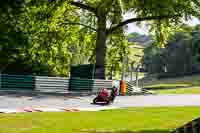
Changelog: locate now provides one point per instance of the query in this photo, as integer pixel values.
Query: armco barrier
(29, 82)
(89, 84)
(10, 82)
(44, 83)
(51, 83)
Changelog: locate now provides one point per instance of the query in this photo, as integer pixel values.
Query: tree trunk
(101, 46)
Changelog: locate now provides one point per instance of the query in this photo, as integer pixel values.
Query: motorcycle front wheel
(95, 100)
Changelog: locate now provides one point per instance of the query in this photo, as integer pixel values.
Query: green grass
(184, 85)
(188, 90)
(139, 74)
(132, 120)
(182, 81)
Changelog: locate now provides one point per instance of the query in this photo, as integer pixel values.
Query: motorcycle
(103, 96)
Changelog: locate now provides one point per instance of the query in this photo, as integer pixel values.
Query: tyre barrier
(190, 127)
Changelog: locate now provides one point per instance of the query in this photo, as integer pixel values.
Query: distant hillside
(140, 39)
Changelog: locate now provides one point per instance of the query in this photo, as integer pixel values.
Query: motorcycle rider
(113, 93)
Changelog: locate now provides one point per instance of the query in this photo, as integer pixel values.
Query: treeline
(181, 55)
(46, 37)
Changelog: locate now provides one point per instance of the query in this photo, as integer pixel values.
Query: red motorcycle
(103, 96)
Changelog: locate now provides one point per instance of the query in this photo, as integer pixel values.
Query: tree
(12, 39)
(196, 47)
(196, 31)
(110, 12)
(117, 50)
(32, 36)
(133, 35)
(173, 60)
(162, 30)
(58, 29)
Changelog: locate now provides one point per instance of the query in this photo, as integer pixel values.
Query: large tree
(103, 18)
(109, 18)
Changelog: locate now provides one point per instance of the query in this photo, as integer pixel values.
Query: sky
(142, 29)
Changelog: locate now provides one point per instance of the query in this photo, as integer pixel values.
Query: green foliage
(41, 42)
(12, 39)
(152, 59)
(117, 50)
(47, 37)
(157, 8)
(174, 60)
(133, 35)
(196, 48)
(178, 55)
(162, 29)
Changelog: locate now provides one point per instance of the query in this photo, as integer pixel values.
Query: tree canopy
(51, 35)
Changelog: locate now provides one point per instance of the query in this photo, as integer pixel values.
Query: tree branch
(195, 13)
(83, 6)
(138, 20)
(108, 5)
(87, 26)
(196, 2)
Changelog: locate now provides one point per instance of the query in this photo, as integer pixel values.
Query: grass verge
(184, 85)
(131, 120)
